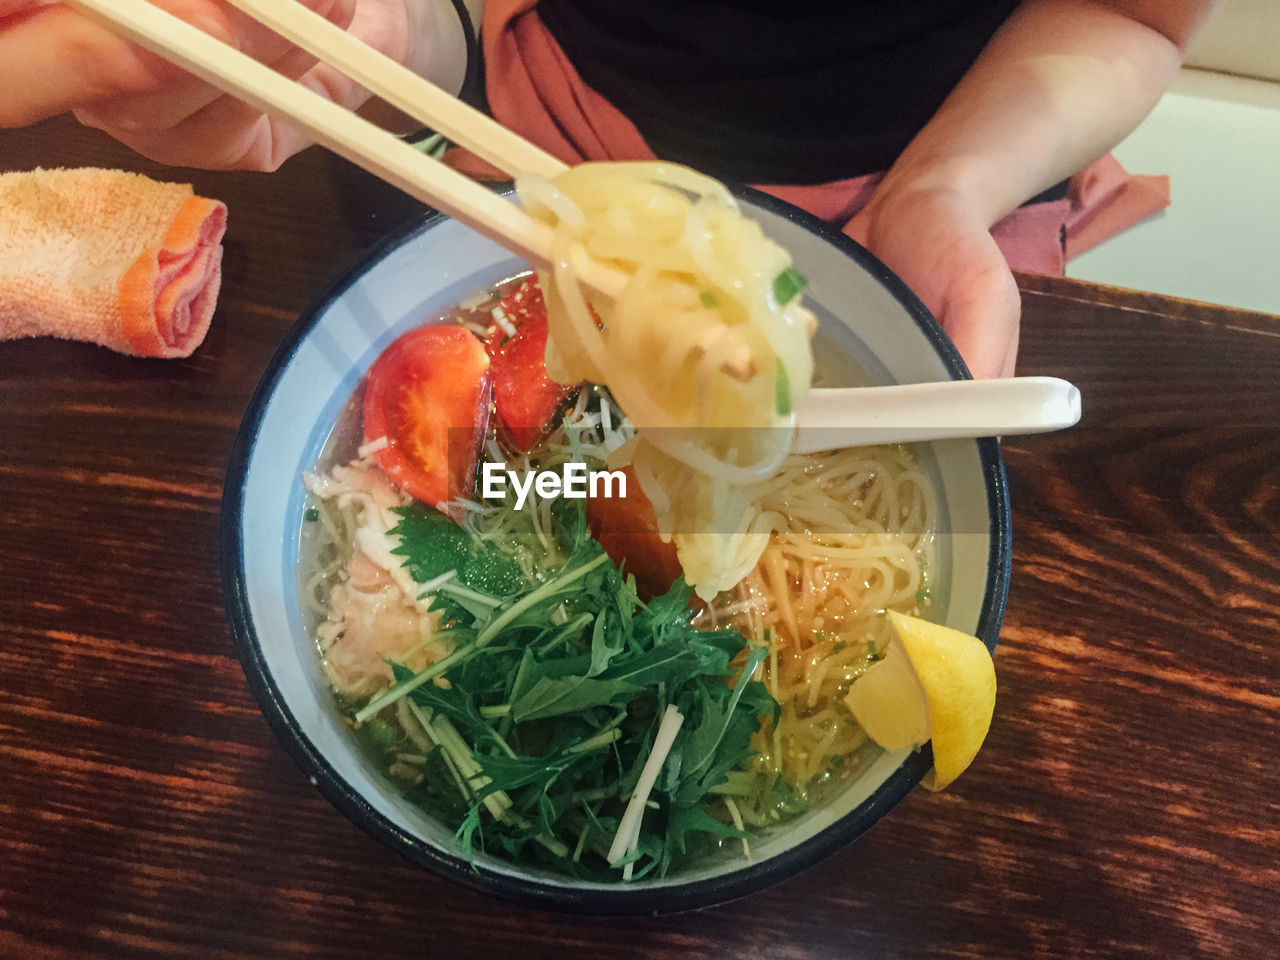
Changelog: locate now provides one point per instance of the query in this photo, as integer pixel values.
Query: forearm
(1059, 85)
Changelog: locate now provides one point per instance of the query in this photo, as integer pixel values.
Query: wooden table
(1126, 804)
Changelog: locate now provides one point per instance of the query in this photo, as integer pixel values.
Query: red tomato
(428, 394)
(525, 397)
(628, 531)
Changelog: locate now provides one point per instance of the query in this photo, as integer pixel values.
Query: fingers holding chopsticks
(53, 59)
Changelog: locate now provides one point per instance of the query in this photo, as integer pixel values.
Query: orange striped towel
(108, 257)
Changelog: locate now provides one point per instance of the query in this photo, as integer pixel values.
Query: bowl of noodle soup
(930, 525)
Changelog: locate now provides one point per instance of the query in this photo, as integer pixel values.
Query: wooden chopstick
(381, 153)
(402, 88)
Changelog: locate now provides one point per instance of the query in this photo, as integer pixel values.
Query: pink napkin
(108, 257)
(1102, 200)
(1105, 199)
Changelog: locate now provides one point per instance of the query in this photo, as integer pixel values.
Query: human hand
(943, 251)
(52, 59)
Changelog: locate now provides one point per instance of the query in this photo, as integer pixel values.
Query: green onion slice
(788, 285)
(781, 389)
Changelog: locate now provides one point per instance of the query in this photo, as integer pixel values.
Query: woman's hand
(942, 249)
(52, 60)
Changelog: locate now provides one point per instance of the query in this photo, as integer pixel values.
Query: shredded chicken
(374, 612)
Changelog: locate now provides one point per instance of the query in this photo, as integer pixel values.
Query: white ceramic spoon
(829, 419)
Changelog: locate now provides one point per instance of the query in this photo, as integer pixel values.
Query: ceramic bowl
(869, 321)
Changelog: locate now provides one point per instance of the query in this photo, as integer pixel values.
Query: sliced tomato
(628, 531)
(525, 398)
(428, 394)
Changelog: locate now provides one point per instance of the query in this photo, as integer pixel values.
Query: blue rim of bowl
(622, 901)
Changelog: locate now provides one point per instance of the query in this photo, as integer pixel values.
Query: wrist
(914, 198)
(987, 188)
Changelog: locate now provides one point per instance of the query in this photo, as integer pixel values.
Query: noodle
(697, 349)
(858, 540)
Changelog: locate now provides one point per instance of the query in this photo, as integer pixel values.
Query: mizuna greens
(560, 688)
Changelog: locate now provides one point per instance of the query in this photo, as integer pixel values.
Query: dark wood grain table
(1127, 803)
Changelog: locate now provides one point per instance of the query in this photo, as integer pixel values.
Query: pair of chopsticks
(376, 150)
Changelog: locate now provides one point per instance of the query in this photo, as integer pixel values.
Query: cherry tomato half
(526, 399)
(428, 394)
(628, 531)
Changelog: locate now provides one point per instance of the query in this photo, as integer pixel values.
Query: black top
(768, 92)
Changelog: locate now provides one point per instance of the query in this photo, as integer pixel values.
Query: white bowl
(869, 321)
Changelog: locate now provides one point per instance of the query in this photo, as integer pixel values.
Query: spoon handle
(829, 419)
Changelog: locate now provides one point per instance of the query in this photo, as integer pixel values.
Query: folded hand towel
(108, 257)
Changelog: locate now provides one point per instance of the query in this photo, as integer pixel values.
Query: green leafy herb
(554, 698)
(708, 299)
(311, 515)
(788, 285)
(433, 545)
(558, 683)
(720, 739)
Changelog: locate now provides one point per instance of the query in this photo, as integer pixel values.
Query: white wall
(1242, 38)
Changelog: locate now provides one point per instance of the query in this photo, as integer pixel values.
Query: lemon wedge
(934, 683)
